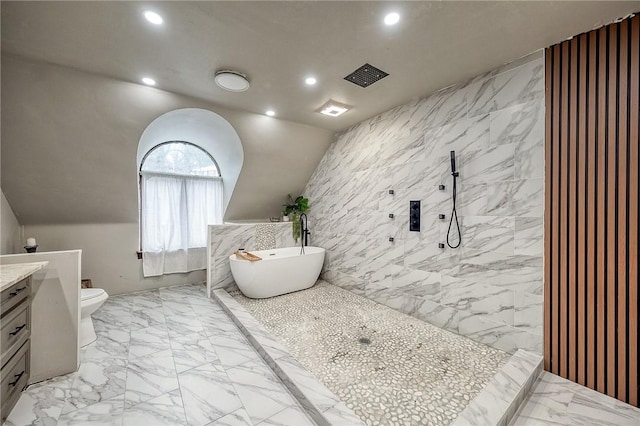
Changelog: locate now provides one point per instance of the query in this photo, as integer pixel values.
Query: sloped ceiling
(436, 44)
(73, 109)
(70, 139)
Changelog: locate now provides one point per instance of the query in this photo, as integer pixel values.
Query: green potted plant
(292, 210)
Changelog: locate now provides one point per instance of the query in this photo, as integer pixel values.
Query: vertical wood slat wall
(591, 215)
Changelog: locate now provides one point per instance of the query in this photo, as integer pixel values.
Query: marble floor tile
(557, 401)
(259, 390)
(237, 418)
(158, 356)
(290, 416)
(181, 325)
(207, 394)
(147, 300)
(192, 350)
(149, 340)
(586, 410)
(216, 323)
(121, 302)
(138, 376)
(233, 349)
(104, 413)
(150, 376)
(164, 410)
(114, 316)
(147, 318)
(96, 381)
(542, 411)
(176, 307)
(41, 403)
(112, 342)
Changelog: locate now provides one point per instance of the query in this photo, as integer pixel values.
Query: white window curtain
(176, 211)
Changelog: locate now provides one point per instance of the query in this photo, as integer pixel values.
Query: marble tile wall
(224, 240)
(490, 289)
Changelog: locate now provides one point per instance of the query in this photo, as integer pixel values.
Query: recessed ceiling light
(270, 113)
(392, 18)
(232, 81)
(310, 81)
(333, 108)
(153, 17)
(148, 81)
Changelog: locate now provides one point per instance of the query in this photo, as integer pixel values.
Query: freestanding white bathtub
(280, 271)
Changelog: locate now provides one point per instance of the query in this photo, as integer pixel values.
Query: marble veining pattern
(204, 372)
(497, 403)
(557, 401)
(406, 372)
(495, 123)
(224, 240)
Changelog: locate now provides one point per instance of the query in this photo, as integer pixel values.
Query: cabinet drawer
(15, 376)
(15, 330)
(14, 295)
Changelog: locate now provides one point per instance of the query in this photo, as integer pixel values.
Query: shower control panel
(414, 216)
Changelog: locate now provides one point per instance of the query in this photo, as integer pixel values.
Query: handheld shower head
(453, 162)
(454, 213)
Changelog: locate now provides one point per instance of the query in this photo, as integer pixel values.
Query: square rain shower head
(366, 75)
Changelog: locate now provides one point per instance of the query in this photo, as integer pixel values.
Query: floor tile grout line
(184, 411)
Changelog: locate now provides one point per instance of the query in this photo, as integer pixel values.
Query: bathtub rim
(264, 253)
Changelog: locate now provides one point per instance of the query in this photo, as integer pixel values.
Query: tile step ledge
(499, 401)
(322, 405)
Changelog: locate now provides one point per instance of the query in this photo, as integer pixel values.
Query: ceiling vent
(232, 81)
(366, 75)
(333, 108)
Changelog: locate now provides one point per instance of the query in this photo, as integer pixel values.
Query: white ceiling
(436, 44)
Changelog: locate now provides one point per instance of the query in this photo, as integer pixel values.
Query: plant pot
(285, 218)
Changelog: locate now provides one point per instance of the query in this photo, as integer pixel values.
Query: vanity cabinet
(15, 333)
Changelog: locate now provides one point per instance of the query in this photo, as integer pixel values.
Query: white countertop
(11, 274)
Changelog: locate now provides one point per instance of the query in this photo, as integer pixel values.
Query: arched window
(181, 193)
(180, 158)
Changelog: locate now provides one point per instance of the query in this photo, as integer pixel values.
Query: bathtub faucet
(304, 228)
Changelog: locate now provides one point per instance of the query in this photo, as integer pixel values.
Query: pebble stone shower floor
(390, 368)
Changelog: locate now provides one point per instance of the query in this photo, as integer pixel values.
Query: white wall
(10, 229)
(108, 255)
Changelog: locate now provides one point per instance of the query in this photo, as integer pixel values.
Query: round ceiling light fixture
(310, 81)
(148, 81)
(153, 17)
(392, 18)
(232, 81)
(270, 113)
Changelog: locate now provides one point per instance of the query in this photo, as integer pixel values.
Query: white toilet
(90, 300)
